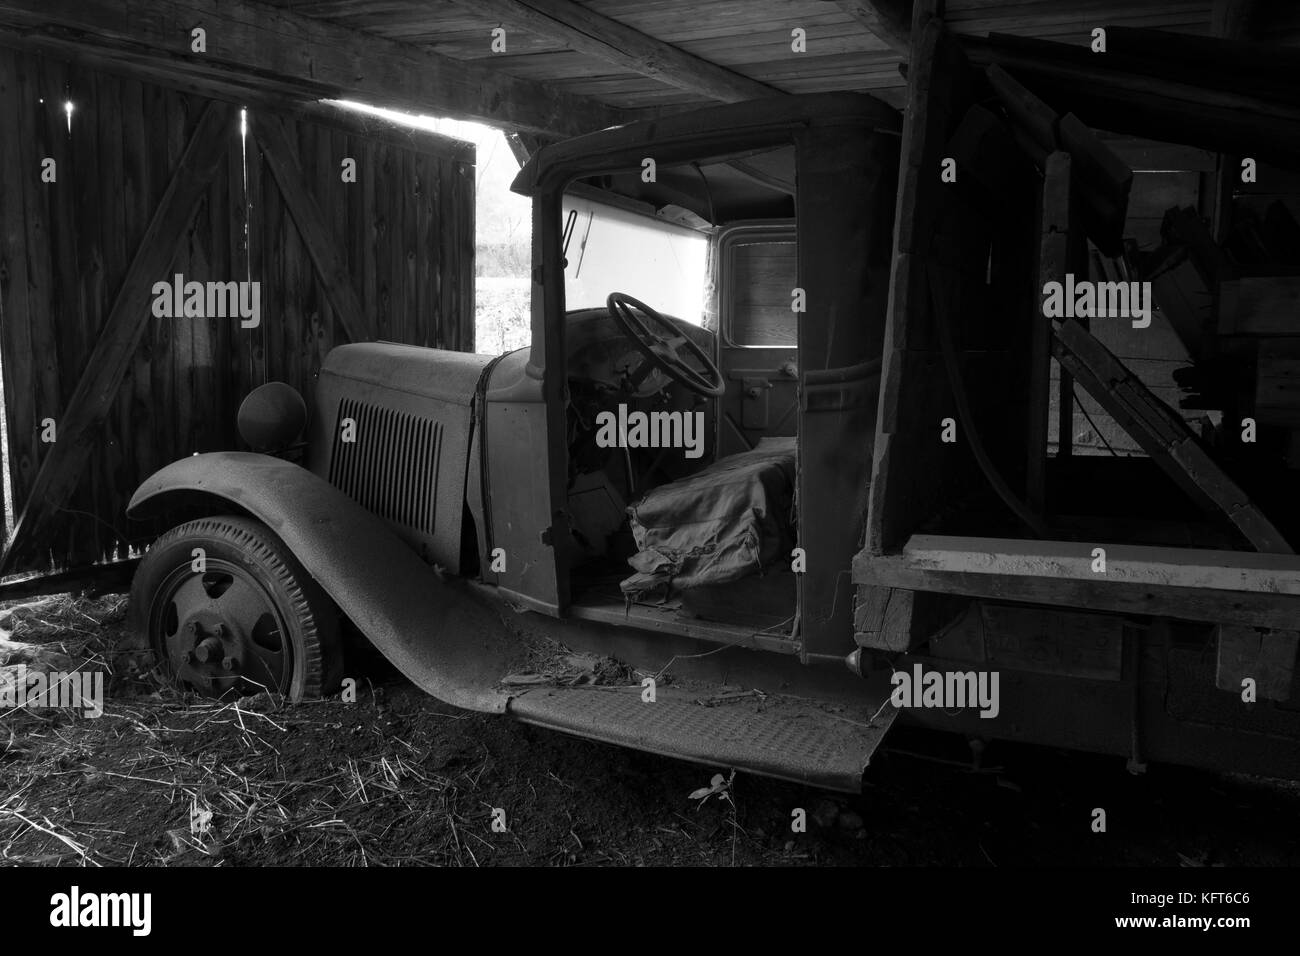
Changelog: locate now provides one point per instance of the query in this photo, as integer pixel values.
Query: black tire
(254, 605)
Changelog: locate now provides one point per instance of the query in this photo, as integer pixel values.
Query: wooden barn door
(139, 183)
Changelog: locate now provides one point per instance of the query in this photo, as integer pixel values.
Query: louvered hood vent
(391, 469)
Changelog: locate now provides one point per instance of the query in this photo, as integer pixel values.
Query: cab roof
(698, 134)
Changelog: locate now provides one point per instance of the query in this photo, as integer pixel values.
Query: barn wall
(405, 230)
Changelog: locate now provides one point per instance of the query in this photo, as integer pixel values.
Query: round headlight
(272, 416)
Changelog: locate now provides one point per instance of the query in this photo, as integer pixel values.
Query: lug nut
(209, 650)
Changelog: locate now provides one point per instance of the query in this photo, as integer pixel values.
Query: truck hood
(429, 373)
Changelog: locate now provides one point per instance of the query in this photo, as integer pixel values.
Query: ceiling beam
(889, 20)
(594, 34)
(264, 49)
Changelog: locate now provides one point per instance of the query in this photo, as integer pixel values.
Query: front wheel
(228, 610)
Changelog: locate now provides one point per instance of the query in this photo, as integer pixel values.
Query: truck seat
(720, 524)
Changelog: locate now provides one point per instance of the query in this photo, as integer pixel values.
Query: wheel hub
(221, 633)
(211, 655)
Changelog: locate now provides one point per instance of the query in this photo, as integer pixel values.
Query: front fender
(449, 641)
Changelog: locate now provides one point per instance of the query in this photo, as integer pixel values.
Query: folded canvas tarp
(727, 521)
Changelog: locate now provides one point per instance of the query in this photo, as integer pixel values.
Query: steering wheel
(668, 353)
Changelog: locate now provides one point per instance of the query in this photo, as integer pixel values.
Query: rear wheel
(228, 610)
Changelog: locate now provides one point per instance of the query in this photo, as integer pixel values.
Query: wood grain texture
(580, 28)
(63, 266)
(62, 469)
(256, 47)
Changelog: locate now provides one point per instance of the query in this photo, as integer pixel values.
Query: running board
(795, 740)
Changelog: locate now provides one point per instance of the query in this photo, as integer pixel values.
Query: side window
(759, 269)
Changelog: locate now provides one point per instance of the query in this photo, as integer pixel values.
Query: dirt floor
(398, 779)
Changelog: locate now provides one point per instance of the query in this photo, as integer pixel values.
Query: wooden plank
(168, 336)
(1260, 590)
(1032, 115)
(448, 239)
(236, 364)
(151, 361)
(42, 299)
(216, 419)
(423, 212)
(1148, 565)
(70, 329)
(186, 334)
(925, 128)
(890, 21)
(936, 97)
(276, 51)
(1268, 659)
(1162, 434)
(451, 254)
(136, 452)
(461, 315)
(882, 618)
(1123, 95)
(97, 490)
(1060, 251)
(261, 191)
(390, 214)
(63, 467)
(331, 147)
(926, 122)
(16, 308)
(300, 283)
(278, 236)
(281, 159)
(401, 314)
(899, 620)
(583, 29)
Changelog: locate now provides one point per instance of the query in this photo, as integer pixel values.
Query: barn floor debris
(398, 779)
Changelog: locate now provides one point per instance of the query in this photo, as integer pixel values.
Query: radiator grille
(391, 469)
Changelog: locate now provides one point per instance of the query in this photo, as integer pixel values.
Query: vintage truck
(769, 517)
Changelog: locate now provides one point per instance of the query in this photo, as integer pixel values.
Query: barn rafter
(261, 48)
(567, 66)
(587, 31)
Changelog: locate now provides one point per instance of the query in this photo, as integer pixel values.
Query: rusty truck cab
(794, 199)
